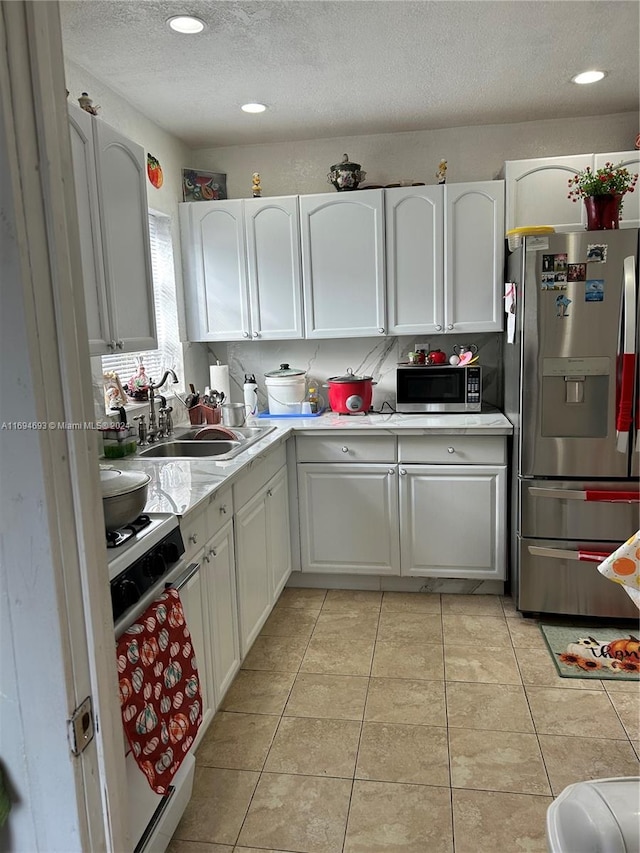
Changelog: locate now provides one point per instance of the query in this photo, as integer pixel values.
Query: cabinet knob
(256, 334)
(269, 493)
(111, 344)
(438, 328)
(345, 449)
(120, 344)
(450, 326)
(245, 335)
(205, 557)
(451, 450)
(381, 331)
(223, 509)
(392, 471)
(402, 472)
(213, 552)
(193, 538)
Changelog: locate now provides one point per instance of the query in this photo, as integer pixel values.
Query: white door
(216, 276)
(273, 265)
(224, 643)
(124, 219)
(630, 217)
(101, 340)
(414, 218)
(193, 595)
(348, 518)
(474, 257)
(252, 567)
(452, 521)
(343, 264)
(278, 529)
(537, 192)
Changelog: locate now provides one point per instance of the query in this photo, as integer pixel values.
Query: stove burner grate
(115, 538)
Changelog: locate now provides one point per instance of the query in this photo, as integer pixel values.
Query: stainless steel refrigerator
(572, 393)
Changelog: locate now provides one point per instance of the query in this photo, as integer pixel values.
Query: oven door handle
(565, 554)
(184, 578)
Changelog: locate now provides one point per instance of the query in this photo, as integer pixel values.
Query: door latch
(81, 728)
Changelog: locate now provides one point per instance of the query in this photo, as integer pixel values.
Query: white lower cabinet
(279, 532)
(348, 518)
(452, 521)
(193, 596)
(444, 517)
(220, 571)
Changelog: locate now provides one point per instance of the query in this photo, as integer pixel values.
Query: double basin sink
(186, 444)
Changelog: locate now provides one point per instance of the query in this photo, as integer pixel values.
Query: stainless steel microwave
(442, 388)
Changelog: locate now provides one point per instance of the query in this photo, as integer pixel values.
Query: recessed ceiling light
(588, 77)
(253, 108)
(187, 24)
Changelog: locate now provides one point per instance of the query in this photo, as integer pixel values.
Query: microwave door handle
(627, 358)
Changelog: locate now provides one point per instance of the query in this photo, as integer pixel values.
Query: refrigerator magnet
(560, 263)
(597, 253)
(594, 290)
(547, 281)
(547, 263)
(577, 272)
(562, 305)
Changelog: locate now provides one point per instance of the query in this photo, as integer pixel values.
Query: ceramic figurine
(346, 175)
(87, 104)
(441, 174)
(256, 189)
(138, 385)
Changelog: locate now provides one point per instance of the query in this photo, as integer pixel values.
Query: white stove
(132, 542)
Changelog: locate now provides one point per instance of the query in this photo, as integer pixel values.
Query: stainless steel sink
(186, 446)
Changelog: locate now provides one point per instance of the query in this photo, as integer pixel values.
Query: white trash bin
(598, 816)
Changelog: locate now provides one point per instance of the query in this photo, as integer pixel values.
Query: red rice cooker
(350, 394)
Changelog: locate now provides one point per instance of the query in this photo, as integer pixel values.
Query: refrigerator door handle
(564, 554)
(592, 495)
(624, 415)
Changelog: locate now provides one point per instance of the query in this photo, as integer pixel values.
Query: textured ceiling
(333, 68)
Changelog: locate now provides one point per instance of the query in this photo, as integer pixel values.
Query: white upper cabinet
(110, 184)
(414, 224)
(537, 190)
(474, 257)
(242, 269)
(630, 217)
(343, 264)
(445, 252)
(273, 261)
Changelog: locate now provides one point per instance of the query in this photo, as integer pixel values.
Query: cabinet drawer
(452, 449)
(260, 473)
(346, 448)
(219, 511)
(193, 527)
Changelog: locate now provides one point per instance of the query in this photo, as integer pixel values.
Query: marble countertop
(179, 486)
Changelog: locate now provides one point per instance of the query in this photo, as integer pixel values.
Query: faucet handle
(142, 429)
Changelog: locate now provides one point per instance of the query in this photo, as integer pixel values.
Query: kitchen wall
(472, 153)
(377, 357)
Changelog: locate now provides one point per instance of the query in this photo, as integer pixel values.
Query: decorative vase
(603, 212)
(346, 175)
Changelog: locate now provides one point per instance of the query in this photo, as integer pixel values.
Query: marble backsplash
(376, 357)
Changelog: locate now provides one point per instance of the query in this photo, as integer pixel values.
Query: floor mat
(584, 652)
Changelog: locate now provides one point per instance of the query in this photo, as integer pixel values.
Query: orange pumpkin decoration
(624, 649)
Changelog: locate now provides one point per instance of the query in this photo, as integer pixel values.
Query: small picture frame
(203, 186)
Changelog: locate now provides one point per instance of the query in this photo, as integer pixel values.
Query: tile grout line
(446, 717)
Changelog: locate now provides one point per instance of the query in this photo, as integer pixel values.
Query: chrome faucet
(154, 431)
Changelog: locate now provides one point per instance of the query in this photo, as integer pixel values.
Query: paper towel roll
(219, 379)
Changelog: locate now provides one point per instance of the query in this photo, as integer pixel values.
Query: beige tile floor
(364, 722)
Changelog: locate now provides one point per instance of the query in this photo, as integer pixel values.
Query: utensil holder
(201, 414)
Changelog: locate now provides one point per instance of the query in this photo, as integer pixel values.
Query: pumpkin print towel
(160, 695)
(623, 567)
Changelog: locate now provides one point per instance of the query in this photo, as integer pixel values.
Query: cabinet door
(224, 644)
(273, 265)
(343, 264)
(474, 257)
(349, 518)
(193, 597)
(278, 532)
(631, 206)
(124, 219)
(414, 218)
(252, 568)
(215, 270)
(537, 192)
(101, 340)
(452, 521)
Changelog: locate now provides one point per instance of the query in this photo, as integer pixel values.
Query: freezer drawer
(562, 577)
(571, 509)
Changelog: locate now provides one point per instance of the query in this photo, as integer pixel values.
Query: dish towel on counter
(160, 695)
(623, 567)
